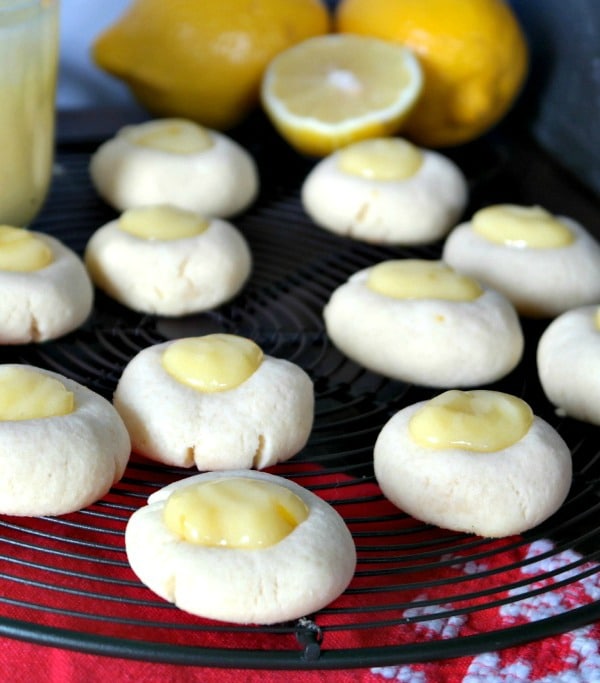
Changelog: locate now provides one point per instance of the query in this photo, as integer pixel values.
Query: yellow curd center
(421, 279)
(597, 318)
(381, 159)
(478, 420)
(26, 394)
(22, 251)
(521, 226)
(173, 136)
(162, 223)
(215, 362)
(234, 513)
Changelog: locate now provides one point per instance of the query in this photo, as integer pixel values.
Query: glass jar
(29, 37)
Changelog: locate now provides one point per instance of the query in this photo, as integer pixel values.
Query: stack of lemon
(442, 72)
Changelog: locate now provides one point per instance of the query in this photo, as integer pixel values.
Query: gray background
(561, 101)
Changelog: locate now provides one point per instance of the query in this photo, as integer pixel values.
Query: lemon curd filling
(478, 420)
(421, 279)
(27, 395)
(521, 226)
(20, 251)
(173, 136)
(381, 159)
(162, 223)
(234, 513)
(215, 362)
(597, 318)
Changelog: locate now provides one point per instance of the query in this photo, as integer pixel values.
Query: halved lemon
(329, 91)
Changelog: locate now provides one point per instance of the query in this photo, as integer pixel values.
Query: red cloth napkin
(546, 661)
(569, 658)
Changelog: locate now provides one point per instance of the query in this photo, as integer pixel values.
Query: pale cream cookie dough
(62, 446)
(386, 191)
(175, 161)
(216, 402)
(241, 546)
(46, 290)
(478, 462)
(544, 264)
(168, 261)
(568, 360)
(420, 321)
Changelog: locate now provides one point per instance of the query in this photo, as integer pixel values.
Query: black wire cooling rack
(66, 582)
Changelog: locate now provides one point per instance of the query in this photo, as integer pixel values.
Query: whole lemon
(473, 53)
(203, 60)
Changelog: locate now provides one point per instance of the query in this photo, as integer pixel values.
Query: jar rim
(16, 5)
(15, 12)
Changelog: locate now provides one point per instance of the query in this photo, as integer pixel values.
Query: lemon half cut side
(329, 91)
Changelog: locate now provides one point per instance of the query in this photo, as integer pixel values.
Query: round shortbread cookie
(40, 305)
(540, 282)
(60, 464)
(219, 180)
(170, 277)
(303, 572)
(415, 210)
(430, 342)
(568, 360)
(264, 420)
(491, 494)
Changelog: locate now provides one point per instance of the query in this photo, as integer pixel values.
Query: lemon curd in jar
(28, 67)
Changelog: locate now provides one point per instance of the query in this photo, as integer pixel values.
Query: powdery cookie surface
(169, 277)
(266, 419)
(219, 181)
(416, 210)
(302, 573)
(430, 342)
(57, 465)
(568, 360)
(39, 305)
(491, 494)
(540, 282)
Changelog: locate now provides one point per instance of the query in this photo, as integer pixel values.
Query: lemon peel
(474, 56)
